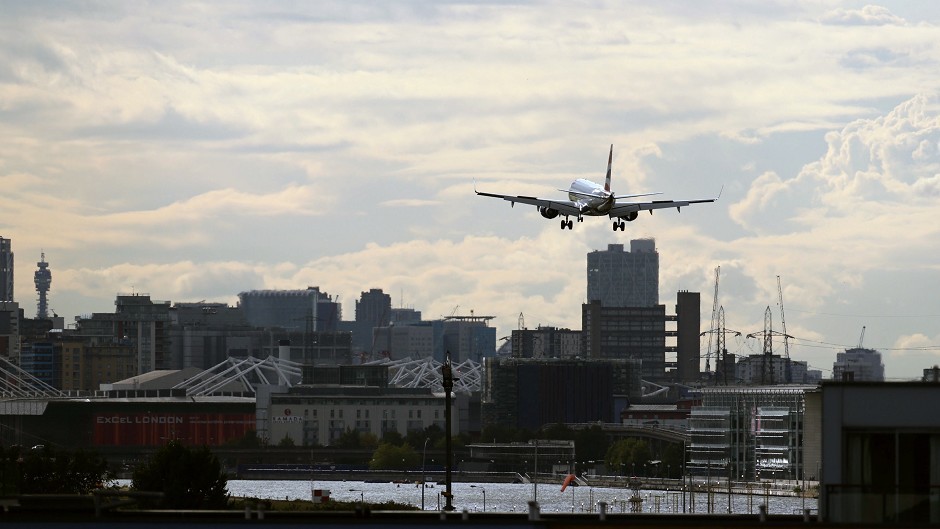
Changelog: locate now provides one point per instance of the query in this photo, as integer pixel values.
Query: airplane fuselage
(590, 197)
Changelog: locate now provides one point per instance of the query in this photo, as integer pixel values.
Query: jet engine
(630, 216)
(549, 213)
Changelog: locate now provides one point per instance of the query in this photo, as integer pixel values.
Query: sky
(192, 151)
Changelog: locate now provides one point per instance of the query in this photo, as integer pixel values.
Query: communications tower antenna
(521, 322)
(43, 280)
(788, 376)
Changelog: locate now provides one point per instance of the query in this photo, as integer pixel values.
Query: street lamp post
(447, 381)
(424, 476)
(483, 490)
(535, 480)
(362, 497)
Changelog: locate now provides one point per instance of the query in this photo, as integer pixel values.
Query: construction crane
(714, 324)
(788, 376)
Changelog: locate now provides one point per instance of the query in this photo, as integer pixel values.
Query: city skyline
(195, 151)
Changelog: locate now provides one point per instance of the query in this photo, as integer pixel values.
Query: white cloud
(870, 15)
(206, 149)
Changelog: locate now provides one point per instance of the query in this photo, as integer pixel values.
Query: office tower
(43, 280)
(6, 270)
(858, 364)
(638, 333)
(138, 322)
(10, 330)
(688, 339)
(287, 309)
(374, 308)
(624, 279)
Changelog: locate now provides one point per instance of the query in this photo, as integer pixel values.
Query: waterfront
(515, 497)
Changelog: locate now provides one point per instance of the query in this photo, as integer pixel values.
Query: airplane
(592, 199)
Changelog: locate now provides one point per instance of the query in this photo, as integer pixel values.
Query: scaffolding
(764, 431)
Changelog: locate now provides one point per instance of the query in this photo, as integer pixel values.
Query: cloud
(337, 145)
(870, 15)
(410, 202)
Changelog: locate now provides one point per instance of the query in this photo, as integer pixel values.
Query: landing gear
(619, 225)
(566, 223)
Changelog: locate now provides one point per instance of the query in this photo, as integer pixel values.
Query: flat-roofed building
(858, 364)
(751, 432)
(880, 453)
(319, 415)
(546, 342)
(530, 393)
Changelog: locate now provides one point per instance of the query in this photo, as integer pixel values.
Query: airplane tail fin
(610, 158)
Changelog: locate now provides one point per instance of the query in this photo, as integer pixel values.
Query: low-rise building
(312, 416)
(751, 433)
(881, 453)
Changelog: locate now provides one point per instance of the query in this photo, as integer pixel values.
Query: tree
(188, 478)
(392, 437)
(249, 440)
(559, 431)
(672, 459)
(591, 443)
(434, 433)
(49, 471)
(394, 457)
(286, 442)
(628, 455)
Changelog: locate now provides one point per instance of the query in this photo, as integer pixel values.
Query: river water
(515, 497)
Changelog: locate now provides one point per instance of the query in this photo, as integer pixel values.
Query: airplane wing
(565, 207)
(621, 209)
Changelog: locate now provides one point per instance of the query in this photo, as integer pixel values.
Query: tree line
(194, 478)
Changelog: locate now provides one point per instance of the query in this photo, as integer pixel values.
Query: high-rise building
(545, 342)
(43, 280)
(138, 322)
(641, 333)
(287, 309)
(10, 330)
(6, 270)
(688, 335)
(533, 392)
(467, 338)
(638, 333)
(374, 308)
(403, 341)
(624, 279)
(858, 364)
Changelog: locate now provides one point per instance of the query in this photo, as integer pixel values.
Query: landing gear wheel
(570, 224)
(564, 224)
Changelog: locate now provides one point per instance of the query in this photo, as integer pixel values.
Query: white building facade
(318, 417)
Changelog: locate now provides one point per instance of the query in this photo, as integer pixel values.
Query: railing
(868, 504)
